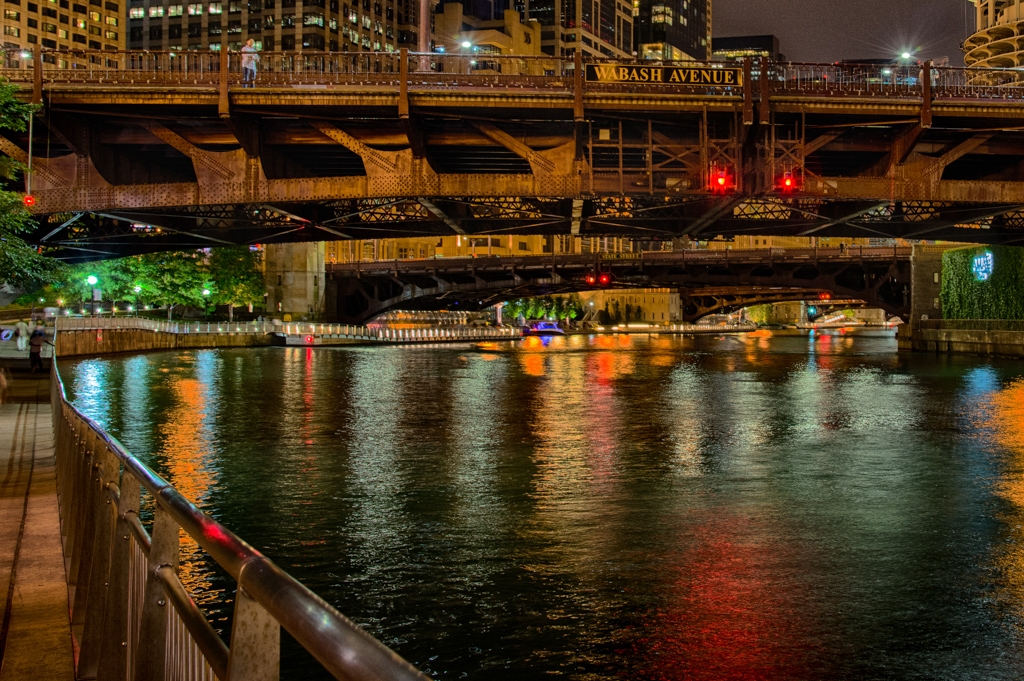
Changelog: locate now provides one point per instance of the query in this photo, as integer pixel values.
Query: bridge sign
(663, 75)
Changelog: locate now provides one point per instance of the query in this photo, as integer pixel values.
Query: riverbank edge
(913, 338)
(92, 342)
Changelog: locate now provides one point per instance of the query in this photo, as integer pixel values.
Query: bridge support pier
(295, 279)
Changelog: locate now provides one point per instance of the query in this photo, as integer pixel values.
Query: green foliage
(760, 314)
(545, 307)
(999, 297)
(236, 275)
(21, 265)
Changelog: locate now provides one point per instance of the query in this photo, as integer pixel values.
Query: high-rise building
(282, 25)
(602, 28)
(996, 41)
(673, 29)
(738, 48)
(61, 25)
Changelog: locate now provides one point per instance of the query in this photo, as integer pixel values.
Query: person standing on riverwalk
(21, 331)
(249, 61)
(35, 349)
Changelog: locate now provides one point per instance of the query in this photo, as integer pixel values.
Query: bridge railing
(472, 69)
(138, 620)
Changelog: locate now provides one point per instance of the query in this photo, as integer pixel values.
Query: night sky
(830, 30)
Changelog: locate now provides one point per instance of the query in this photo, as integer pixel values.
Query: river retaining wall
(107, 341)
(939, 338)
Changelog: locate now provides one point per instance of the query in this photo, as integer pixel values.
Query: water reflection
(767, 506)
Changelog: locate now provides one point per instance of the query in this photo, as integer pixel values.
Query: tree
(236, 276)
(22, 267)
(174, 279)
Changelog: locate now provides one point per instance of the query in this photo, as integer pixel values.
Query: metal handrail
(86, 453)
(390, 70)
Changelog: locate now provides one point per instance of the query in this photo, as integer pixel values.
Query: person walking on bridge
(249, 60)
(21, 331)
(35, 350)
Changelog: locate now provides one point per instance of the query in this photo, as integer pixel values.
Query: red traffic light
(29, 200)
(721, 181)
(591, 278)
(309, 340)
(604, 279)
(825, 295)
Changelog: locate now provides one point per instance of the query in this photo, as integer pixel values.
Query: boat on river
(543, 329)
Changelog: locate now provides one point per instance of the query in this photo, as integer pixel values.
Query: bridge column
(295, 280)
(926, 282)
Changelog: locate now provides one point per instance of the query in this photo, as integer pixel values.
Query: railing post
(926, 95)
(149, 665)
(37, 76)
(113, 665)
(85, 523)
(748, 93)
(223, 104)
(403, 83)
(765, 106)
(577, 87)
(107, 470)
(255, 652)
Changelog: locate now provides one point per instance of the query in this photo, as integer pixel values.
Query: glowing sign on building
(982, 266)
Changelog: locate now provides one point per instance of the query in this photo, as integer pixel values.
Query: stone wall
(961, 341)
(926, 281)
(108, 341)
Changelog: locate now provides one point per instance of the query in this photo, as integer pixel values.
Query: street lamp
(92, 280)
(138, 290)
(905, 55)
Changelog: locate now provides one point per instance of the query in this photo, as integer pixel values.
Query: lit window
(136, 12)
(12, 15)
(313, 19)
(156, 11)
(95, 16)
(353, 17)
(111, 21)
(367, 23)
(12, 31)
(80, 23)
(660, 14)
(61, 33)
(50, 28)
(110, 35)
(195, 9)
(174, 11)
(216, 8)
(334, 24)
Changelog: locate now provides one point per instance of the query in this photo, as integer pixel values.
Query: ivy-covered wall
(1000, 296)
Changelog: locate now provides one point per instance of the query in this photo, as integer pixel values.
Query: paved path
(35, 631)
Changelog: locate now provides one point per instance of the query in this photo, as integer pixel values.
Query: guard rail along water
(346, 331)
(139, 623)
(403, 71)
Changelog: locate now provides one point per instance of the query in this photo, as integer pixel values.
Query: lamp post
(138, 290)
(206, 302)
(92, 280)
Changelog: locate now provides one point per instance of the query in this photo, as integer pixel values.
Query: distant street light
(905, 55)
(466, 44)
(206, 291)
(91, 280)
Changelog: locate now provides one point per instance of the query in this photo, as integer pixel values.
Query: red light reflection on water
(721, 617)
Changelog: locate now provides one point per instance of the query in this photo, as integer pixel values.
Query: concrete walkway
(35, 631)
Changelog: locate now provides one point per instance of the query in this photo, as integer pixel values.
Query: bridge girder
(345, 164)
(356, 293)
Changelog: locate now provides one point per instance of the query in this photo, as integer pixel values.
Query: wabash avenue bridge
(709, 281)
(136, 152)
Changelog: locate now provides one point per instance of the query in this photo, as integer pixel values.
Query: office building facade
(61, 25)
(673, 30)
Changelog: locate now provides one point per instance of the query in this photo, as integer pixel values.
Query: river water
(613, 507)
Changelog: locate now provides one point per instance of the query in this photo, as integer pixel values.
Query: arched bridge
(709, 281)
(135, 152)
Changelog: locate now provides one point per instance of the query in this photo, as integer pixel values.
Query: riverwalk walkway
(35, 628)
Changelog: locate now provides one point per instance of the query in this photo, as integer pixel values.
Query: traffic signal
(721, 180)
(788, 183)
(825, 295)
(595, 278)
(811, 311)
(604, 278)
(591, 278)
(29, 200)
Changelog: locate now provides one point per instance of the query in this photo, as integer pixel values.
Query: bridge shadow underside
(356, 296)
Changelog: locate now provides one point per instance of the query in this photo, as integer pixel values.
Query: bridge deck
(35, 629)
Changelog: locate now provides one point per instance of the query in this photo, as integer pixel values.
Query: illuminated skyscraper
(603, 28)
(673, 29)
(996, 41)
